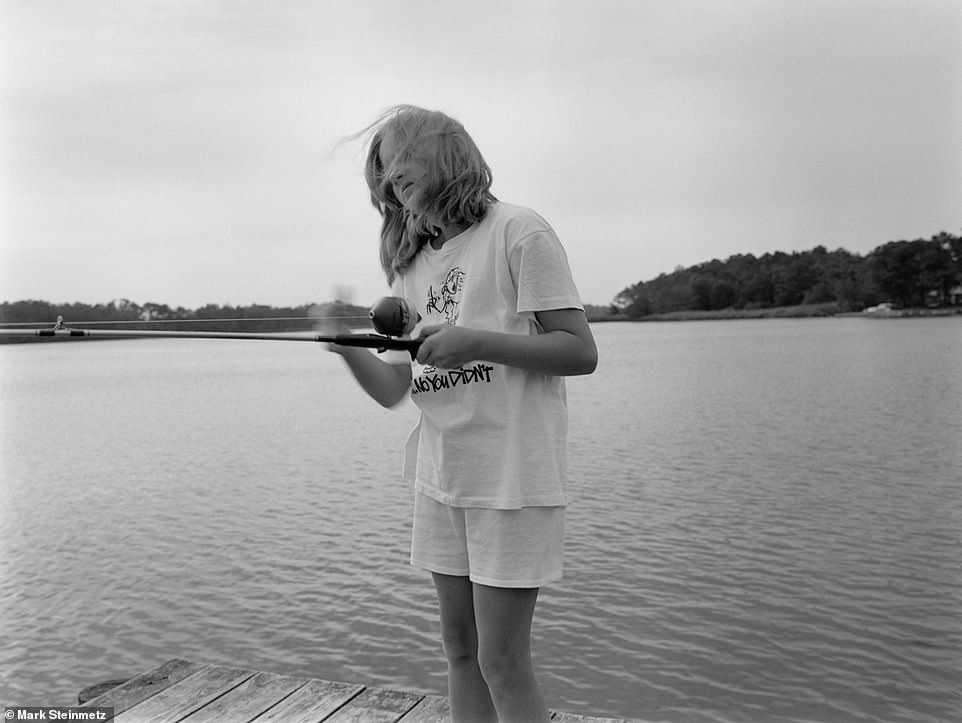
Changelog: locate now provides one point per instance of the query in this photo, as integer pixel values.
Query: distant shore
(596, 314)
(804, 311)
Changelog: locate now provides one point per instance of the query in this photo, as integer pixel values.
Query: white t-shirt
(490, 435)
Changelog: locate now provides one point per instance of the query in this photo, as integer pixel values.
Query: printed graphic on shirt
(433, 379)
(447, 300)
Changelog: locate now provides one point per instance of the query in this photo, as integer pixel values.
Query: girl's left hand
(447, 347)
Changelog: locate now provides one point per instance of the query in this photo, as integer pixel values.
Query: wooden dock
(181, 690)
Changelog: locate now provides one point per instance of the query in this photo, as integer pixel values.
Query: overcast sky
(189, 152)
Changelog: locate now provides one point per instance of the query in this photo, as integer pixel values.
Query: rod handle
(60, 331)
(379, 342)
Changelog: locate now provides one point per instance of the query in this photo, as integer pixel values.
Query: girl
(501, 324)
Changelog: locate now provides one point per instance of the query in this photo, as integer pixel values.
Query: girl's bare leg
(503, 618)
(467, 691)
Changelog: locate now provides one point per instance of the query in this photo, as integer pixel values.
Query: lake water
(765, 522)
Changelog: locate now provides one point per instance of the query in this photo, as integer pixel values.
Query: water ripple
(742, 545)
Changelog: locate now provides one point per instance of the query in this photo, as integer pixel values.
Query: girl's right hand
(327, 322)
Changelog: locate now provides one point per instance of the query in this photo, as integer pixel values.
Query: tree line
(212, 317)
(906, 273)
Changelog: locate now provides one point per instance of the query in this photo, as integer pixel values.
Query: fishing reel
(394, 316)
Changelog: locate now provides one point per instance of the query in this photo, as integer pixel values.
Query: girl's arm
(566, 347)
(385, 383)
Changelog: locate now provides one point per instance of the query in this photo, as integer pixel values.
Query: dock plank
(181, 690)
(188, 695)
(248, 700)
(558, 717)
(312, 702)
(145, 685)
(431, 709)
(376, 705)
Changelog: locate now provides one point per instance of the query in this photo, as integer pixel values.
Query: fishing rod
(391, 317)
(213, 320)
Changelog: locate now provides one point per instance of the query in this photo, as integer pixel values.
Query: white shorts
(500, 548)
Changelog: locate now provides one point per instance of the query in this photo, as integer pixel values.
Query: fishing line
(391, 317)
(195, 321)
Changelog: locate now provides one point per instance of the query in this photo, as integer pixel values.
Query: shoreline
(595, 316)
(781, 312)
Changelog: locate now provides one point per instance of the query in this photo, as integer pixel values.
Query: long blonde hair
(459, 181)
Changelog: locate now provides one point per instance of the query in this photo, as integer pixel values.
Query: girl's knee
(459, 641)
(504, 667)
(458, 650)
(459, 634)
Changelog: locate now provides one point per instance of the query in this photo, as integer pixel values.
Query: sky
(192, 152)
